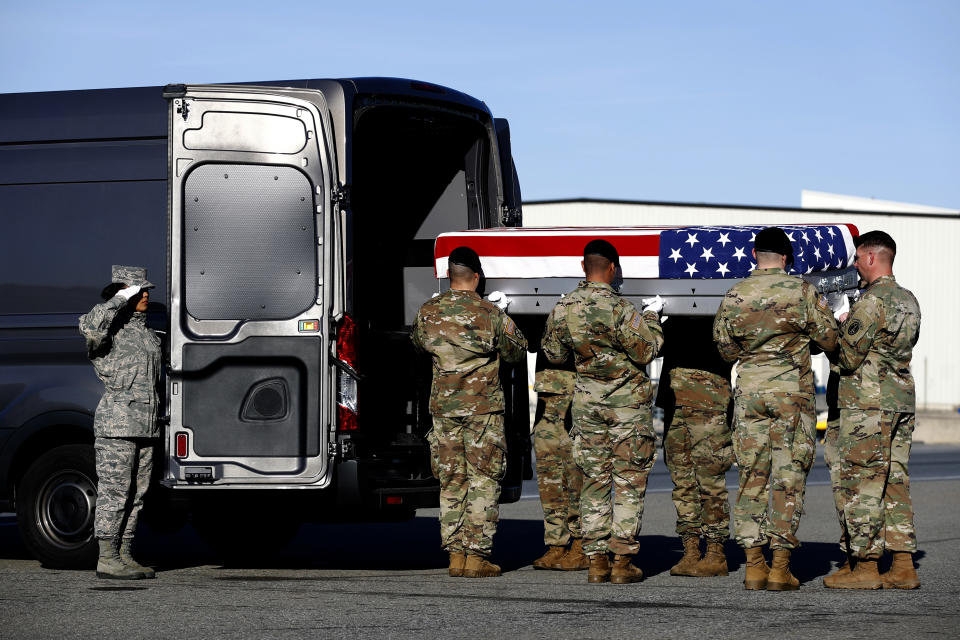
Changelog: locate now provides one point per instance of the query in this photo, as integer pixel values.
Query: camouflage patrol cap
(467, 257)
(774, 240)
(131, 276)
(603, 248)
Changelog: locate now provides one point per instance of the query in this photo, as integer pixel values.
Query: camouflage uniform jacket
(700, 389)
(556, 381)
(126, 357)
(876, 345)
(767, 321)
(465, 334)
(611, 343)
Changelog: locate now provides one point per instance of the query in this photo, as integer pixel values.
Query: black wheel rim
(65, 508)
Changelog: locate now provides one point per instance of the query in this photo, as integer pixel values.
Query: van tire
(56, 499)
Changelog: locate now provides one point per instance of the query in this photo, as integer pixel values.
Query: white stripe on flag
(554, 266)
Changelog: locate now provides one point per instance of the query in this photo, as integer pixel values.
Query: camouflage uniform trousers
(559, 478)
(831, 457)
(468, 456)
(774, 441)
(698, 451)
(615, 448)
(124, 467)
(874, 449)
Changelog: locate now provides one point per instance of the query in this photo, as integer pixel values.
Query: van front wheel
(56, 499)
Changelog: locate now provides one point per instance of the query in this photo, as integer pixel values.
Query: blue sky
(722, 102)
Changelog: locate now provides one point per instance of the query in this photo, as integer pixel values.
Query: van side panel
(82, 186)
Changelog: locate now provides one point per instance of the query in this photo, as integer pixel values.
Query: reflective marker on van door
(182, 443)
(309, 326)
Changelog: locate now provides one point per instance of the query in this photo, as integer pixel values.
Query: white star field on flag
(725, 252)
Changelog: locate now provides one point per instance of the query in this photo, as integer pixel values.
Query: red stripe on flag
(545, 245)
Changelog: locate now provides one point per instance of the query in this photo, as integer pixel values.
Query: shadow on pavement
(414, 545)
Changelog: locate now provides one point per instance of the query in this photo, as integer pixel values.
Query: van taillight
(346, 419)
(347, 341)
(346, 380)
(183, 443)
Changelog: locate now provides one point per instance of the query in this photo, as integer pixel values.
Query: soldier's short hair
(603, 248)
(460, 272)
(594, 263)
(466, 257)
(877, 240)
(774, 240)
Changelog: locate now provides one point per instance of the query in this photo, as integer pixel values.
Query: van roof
(141, 112)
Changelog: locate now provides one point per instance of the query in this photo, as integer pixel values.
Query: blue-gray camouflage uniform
(126, 356)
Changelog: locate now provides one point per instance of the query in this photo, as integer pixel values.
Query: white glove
(435, 294)
(654, 304)
(500, 299)
(129, 292)
(840, 307)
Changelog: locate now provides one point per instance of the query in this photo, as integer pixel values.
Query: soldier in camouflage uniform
(769, 322)
(694, 394)
(126, 356)
(614, 444)
(466, 336)
(558, 476)
(877, 404)
(831, 454)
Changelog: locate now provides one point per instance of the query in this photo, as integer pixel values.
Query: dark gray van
(289, 227)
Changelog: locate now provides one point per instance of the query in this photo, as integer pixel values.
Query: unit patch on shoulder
(854, 328)
(510, 327)
(822, 303)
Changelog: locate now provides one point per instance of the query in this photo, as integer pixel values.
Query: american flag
(645, 252)
(726, 252)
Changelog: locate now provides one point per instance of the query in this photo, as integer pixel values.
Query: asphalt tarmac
(390, 581)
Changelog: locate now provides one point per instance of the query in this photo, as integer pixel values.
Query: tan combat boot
(574, 559)
(126, 557)
(842, 570)
(110, 566)
(755, 577)
(714, 562)
(691, 556)
(458, 559)
(478, 567)
(551, 558)
(901, 575)
(599, 568)
(863, 576)
(780, 578)
(624, 571)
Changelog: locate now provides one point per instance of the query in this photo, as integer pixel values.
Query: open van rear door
(250, 377)
(512, 215)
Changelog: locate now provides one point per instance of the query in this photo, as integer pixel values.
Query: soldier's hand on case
(840, 307)
(500, 299)
(129, 292)
(653, 304)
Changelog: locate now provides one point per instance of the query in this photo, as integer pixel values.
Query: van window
(249, 242)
